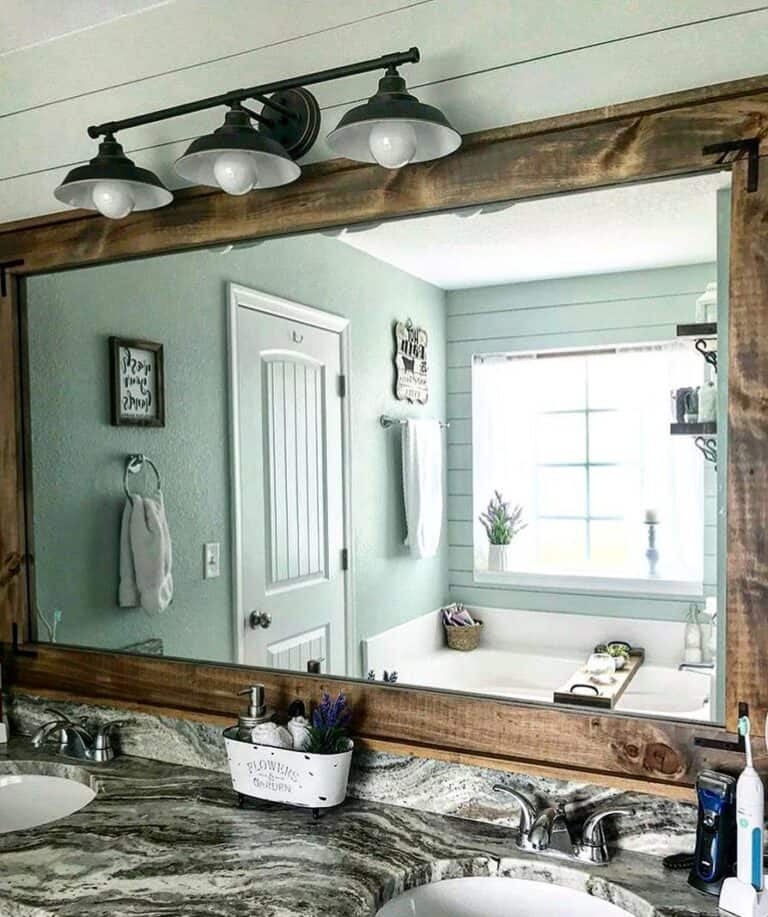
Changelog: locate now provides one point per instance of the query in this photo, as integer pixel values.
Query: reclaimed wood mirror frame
(638, 141)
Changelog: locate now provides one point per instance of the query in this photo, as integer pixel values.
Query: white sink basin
(497, 897)
(29, 800)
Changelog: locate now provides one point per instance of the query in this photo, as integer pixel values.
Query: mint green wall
(594, 310)
(78, 457)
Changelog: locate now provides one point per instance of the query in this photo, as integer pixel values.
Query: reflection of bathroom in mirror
(539, 515)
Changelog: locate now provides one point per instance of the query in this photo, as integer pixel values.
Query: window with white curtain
(581, 440)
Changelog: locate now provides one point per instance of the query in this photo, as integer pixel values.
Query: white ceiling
(618, 229)
(24, 23)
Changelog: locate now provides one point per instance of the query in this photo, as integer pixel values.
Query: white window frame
(575, 583)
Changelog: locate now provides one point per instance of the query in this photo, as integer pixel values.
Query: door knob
(259, 619)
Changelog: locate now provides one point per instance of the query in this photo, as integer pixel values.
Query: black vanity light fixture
(113, 184)
(393, 128)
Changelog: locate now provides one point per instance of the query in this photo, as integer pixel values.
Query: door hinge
(732, 150)
(342, 385)
(345, 558)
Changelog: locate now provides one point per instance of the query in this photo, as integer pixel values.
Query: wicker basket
(463, 638)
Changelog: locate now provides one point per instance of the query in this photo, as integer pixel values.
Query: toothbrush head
(744, 726)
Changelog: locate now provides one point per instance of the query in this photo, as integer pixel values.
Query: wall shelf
(698, 330)
(693, 429)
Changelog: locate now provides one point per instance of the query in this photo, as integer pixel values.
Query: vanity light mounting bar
(236, 96)
(750, 147)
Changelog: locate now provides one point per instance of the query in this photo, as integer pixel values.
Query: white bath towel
(145, 555)
(423, 485)
(127, 593)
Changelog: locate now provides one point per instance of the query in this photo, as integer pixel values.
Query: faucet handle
(103, 737)
(592, 832)
(593, 846)
(103, 750)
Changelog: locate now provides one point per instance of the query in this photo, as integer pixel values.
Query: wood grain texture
(503, 733)
(645, 140)
(13, 571)
(747, 582)
(657, 138)
(389, 746)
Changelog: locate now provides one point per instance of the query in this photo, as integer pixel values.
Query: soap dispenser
(258, 712)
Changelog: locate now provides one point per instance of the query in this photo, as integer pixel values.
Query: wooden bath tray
(609, 694)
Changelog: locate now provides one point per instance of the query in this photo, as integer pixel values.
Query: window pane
(562, 491)
(611, 438)
(606, 380)
(561, 438)
(562, 543)
(608, 490)
(608, 545)
(560, 383)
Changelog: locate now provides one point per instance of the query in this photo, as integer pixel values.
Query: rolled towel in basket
(299, 730)
(271, 734)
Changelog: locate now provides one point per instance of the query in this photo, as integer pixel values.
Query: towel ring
(133, 465)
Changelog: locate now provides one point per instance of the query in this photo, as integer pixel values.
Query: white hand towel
(423, 485)
(152, 556)
(127, 593)
(271, 734)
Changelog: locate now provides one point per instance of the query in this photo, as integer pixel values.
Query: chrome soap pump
(258, 712)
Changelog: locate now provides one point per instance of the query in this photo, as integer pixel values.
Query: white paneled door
(289, 482)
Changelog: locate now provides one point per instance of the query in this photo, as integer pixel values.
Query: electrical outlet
(211, 560)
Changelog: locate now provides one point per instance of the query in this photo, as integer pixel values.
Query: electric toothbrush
(749, 818)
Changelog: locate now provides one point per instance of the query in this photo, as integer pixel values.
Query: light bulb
(235, 172)
(112, 199)
(392, 143)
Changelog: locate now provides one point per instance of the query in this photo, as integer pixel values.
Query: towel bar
(133, 465)
(386, 421)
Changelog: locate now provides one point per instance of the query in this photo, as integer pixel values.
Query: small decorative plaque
(411, 363)
(138, 398)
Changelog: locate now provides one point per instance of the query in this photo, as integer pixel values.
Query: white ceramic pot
(499, 558)
(287, 775)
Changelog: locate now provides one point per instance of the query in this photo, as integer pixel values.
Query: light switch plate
(211, 560)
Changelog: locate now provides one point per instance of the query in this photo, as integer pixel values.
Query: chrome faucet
(546, 830)
(74, 740)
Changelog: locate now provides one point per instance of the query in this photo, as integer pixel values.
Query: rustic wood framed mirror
(645, 141)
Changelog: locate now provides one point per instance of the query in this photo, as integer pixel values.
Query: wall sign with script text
(138, 397)
(411, 363)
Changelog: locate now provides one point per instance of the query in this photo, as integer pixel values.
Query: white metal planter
(287, 775)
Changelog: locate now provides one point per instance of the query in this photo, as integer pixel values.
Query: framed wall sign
(411, 363)
(136, 370)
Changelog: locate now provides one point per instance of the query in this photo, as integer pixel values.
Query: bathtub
(418, 653)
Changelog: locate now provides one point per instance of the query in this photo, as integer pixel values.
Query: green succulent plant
(500, 523)
(616, 649)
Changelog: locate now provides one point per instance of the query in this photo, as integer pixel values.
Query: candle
(651, 516)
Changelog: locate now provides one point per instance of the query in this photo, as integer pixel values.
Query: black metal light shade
(237, 158)
(394, 128)
(112, 184)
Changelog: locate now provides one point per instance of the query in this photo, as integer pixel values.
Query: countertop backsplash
(660, 826)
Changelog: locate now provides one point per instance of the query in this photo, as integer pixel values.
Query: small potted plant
(501, 525)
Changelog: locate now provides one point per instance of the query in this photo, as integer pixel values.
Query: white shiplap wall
(486, 63)
(570, 312)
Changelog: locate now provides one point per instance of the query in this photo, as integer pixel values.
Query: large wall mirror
(481, 451)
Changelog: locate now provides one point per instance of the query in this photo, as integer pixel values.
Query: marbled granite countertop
(168, 840)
